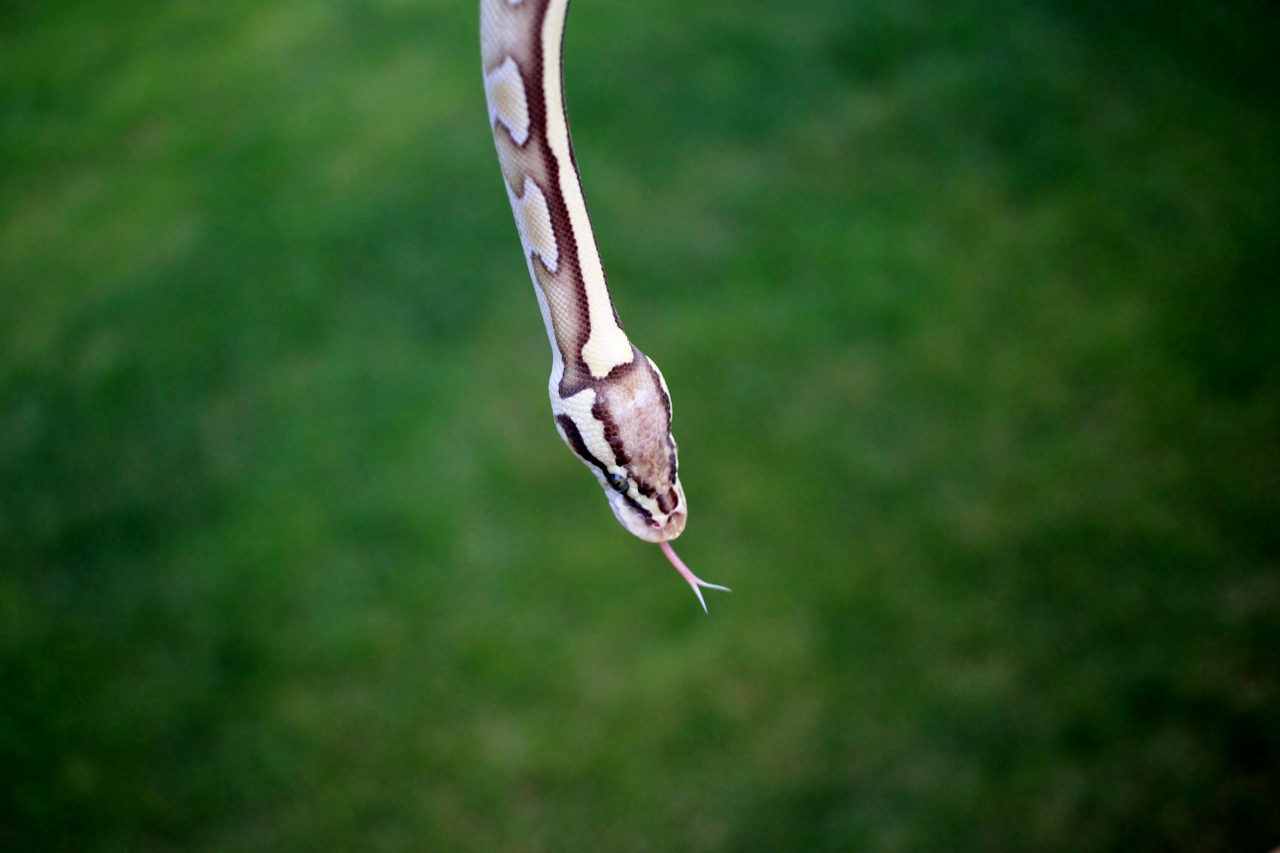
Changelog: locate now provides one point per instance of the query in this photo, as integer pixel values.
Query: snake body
(610, 402)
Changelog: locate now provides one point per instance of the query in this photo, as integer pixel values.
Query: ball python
(610, 402)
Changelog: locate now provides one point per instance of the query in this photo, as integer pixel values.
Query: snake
(610, 402)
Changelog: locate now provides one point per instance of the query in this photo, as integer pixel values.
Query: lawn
(970, 312)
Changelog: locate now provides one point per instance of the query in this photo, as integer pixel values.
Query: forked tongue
(694, 580)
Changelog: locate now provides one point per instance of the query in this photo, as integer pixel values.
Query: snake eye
(617, 481)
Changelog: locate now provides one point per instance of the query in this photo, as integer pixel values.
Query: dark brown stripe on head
(579, 446)
(666, 404)
(636, 506)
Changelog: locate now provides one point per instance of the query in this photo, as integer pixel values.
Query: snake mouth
(651, 529)
(673, 527)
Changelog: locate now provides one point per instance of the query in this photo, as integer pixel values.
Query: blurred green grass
(970, 314)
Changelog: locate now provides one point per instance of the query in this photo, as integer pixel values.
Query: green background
(971, 315)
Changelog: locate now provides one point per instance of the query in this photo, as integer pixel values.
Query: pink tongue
(694, 580)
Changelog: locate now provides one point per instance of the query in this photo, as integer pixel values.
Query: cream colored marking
(504, 90)
(578, 408)
(557, 360)
(607, 345)
(648, 503)
(533, 220)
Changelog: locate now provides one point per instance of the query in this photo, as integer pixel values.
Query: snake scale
(610, 402)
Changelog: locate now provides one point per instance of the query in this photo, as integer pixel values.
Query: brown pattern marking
(636, 414)
(564, 289)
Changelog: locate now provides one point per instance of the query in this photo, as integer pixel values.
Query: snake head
(629, 506)
(620, 426)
